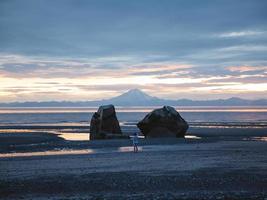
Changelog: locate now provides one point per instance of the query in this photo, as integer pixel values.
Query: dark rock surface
(163, 122)
(104, 122)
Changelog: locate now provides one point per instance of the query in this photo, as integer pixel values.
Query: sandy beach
(203, 167)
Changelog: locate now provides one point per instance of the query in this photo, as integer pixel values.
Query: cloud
(241, 34)
(24, 66)
(88, 50)
(80, 79)
(247, 68)
(244, 48)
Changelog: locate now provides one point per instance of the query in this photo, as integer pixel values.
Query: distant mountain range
(136, 97)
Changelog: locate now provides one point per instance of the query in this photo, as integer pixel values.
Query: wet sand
(217, 167)
(45, 138)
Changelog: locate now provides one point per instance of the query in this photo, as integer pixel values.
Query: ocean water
(73, 123)
(129, 116)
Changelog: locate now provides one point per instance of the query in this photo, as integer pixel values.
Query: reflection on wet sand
(94, 151)
(192, 137)
(260, 139)
(129, 149)
(48, 153)
(74, 136)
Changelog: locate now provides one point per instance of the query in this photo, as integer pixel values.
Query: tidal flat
(217, 166)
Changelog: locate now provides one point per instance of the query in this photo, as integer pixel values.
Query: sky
(95, 49)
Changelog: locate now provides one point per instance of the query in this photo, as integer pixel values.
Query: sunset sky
(94, 49)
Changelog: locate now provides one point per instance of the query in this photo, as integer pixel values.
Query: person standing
(135, 142)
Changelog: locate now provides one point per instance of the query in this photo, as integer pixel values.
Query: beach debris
(163, 122)
(104, 123)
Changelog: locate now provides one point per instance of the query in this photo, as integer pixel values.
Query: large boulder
(163, 122)
(104, 123)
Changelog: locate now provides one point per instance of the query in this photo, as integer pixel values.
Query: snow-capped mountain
(133, 97)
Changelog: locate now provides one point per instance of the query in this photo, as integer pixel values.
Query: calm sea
(129, 116)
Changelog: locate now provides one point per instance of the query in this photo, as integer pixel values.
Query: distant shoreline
(136, 97)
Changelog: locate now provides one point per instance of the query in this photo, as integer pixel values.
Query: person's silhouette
(135, 142)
